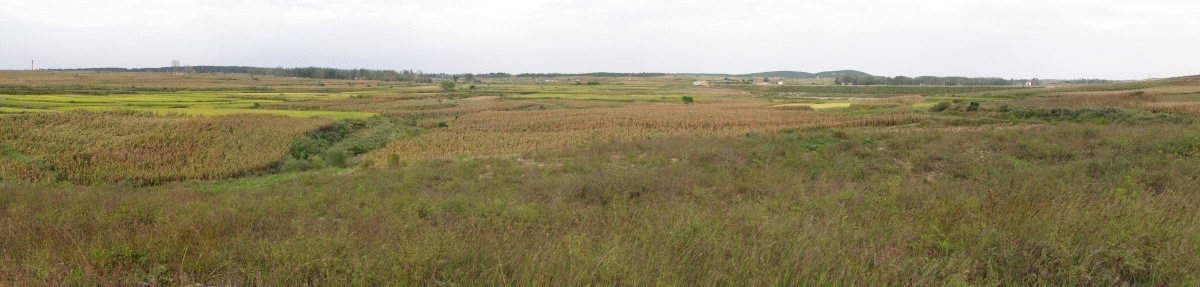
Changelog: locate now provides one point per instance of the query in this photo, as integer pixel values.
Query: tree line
(305, 72)
(928, 81)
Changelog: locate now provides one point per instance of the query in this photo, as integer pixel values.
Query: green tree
(447, 85)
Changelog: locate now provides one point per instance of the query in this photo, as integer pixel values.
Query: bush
(942, 106)
(291, 164)
(318, 162)
(303, 147)
(687, 99)
(337, 156)
(447, 85)
(973, 107)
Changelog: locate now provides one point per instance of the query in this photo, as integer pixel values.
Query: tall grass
(1063, 205)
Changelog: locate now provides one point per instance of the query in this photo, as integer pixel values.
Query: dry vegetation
(1073, 204)
(87, 147)
(524, 181)
(497, 132)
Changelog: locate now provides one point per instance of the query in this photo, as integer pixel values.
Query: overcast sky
(1010, 39)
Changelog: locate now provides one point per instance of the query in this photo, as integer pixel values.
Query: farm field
(120, 178)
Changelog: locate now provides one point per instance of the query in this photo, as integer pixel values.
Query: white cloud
(1021, 38)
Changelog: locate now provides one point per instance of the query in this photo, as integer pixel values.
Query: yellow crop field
(202, 103)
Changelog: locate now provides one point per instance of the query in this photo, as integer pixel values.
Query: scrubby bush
(973, 107)
(303, 147)
(337, 156)
(291, 164)
(942, 106)
(318, 162)
(687, 99)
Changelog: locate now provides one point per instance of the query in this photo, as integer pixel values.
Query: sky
(1049, 39)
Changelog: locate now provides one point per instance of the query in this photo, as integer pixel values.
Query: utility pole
(31, 66)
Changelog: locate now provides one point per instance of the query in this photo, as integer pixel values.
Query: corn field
(86, 147)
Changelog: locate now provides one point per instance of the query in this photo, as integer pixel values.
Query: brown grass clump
(86, 147)
(796, 108)
(889, 102)
(902, 100)
(1114, 99)
(1185, 108)
(15, 170)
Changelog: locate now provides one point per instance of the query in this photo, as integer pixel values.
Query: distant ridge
(796, 74)
(842, 73)
(780, 74)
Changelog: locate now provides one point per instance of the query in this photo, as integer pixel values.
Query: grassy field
(541, 181)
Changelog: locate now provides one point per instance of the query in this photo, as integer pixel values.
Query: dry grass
(12, 169)
(796, 107)
(1185, 108)
(902, 100)
(489, 133)
(1117, 99)
(1059, 205)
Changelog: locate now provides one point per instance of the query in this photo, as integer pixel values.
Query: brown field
(87, 147)
(12, 169)
(503, 132)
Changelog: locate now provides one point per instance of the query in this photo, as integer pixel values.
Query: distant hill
(795, 74)
(780, 74)
(832, 74)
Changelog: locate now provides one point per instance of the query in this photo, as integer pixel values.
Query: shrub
(447, 85)
(303, 147)
(318, 162)
(942, 106)
(973, 107)
(337, 156)
(687, 99)
(294, 164)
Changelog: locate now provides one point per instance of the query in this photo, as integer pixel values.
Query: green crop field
(145, 178)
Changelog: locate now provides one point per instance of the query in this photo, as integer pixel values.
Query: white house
(700, 83)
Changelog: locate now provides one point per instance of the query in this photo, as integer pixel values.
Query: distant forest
(948, 81)
(848, 77)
